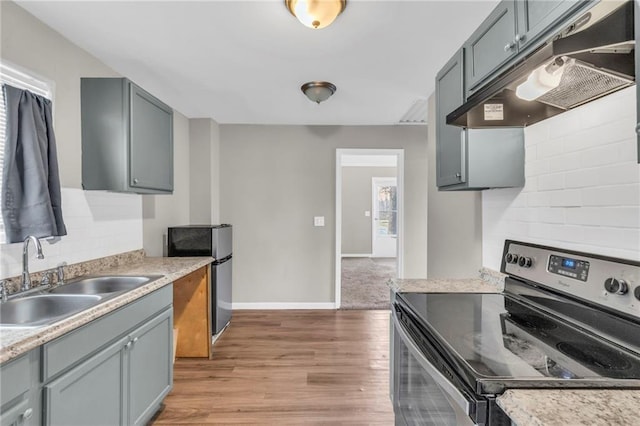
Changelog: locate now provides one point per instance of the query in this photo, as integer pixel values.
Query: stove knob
(511, 258)
(525, 262)
(615, 286)
(636, 292)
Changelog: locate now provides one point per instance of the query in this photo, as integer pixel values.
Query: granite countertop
(539, 407)
(16, 341)
(488, 281)
(571, 407)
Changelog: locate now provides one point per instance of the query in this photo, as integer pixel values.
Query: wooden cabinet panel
(192, 314)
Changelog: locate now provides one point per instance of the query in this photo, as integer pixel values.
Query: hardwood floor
(288, 367)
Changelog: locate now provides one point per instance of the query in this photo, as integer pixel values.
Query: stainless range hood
(588, 59)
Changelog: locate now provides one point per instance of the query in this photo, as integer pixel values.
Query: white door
(385, 217)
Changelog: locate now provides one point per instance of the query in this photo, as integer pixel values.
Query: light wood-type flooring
(288, 367)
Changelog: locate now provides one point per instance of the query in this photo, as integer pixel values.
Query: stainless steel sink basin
(34, 311)
(104, 285)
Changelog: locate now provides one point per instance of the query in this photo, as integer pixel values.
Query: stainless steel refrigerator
(215, 241)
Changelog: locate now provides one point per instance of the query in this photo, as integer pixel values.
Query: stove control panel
(569, 267)
(606, 281)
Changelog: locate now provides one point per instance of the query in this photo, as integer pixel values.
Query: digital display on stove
(568, 267)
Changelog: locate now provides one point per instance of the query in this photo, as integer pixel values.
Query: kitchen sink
(104, 285)
(42, 309)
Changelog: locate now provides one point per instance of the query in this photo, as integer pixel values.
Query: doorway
(369, 226)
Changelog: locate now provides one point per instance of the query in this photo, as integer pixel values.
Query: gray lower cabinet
(116, 370)
(92, 393)
(470, 159)
(19, 390)
(127, 138)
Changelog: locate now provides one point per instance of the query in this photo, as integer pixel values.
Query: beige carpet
(364, 282)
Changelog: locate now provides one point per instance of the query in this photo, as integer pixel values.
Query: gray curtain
(31, 201)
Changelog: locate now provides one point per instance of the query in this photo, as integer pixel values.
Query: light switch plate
(367, 213)
(318, 221)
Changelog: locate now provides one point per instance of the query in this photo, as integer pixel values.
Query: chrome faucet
(26, 280)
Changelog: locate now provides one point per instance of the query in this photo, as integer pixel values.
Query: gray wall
(275, 179)
(161, 211)
(356, 199)
(204, 171)
(30, 44)
(455, 223)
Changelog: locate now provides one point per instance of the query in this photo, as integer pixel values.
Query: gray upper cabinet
(535, 17)
(127, 138)
(450, 139)
(472, 159)
(511, 31)
(491, 45)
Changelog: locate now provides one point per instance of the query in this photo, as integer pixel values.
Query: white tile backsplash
(582, 185)
(98, 224)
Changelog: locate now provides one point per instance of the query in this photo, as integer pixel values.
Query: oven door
(421, 394)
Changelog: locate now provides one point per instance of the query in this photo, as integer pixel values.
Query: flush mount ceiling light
(318, 91)
(316, 14)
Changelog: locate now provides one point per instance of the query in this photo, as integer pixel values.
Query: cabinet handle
(135, 340)
(458, 175)
(638, 128)
(509, 46)
(520, 38)
(135, 181)
(27, 413)
(128, 345)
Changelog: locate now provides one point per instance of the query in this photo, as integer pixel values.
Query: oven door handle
(455, 395)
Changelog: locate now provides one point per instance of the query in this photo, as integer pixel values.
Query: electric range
(565, 320)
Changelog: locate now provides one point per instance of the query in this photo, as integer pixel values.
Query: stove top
(561, 322)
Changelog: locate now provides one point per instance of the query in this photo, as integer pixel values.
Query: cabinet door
(90, 394)
(449, 139)
(491, 45)
(151, 142)
(534, 17)
(150, 363)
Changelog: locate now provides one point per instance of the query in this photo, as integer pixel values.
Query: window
(17, 77)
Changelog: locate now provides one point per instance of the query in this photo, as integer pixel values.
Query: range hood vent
(589, 59)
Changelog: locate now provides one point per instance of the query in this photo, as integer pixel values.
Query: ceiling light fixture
(318, 91)
(316, 14)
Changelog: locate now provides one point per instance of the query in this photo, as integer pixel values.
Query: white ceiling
(244, 61)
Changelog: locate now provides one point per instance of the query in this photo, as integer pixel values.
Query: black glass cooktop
(495, 337)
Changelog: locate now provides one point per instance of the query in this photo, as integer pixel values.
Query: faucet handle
(61, 273)
(46, 277)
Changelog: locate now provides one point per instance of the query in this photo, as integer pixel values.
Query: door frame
(340, 152)
(374, 182)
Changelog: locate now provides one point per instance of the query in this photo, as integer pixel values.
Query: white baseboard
(357, 255)
(276, 305)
